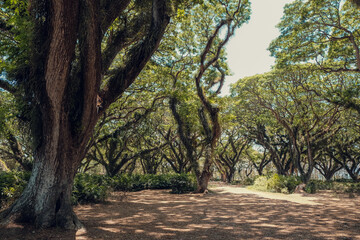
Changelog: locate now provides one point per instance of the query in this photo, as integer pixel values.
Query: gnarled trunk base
(203, 181)
(46, 201)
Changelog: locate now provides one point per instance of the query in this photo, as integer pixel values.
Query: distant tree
(306, 118)
(326, 164)
(232, 147)
(203, 69)
(259, 159)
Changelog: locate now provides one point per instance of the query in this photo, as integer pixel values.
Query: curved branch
(7, 86)
(139, 55)
(122, 39)
(110, 11)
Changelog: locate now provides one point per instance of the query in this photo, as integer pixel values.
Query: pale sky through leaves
(247, 50)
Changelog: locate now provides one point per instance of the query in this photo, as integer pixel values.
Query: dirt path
(225, 213)
(296, 198)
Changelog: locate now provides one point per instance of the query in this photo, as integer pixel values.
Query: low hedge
(90, 188)
(338, 186)
(178, 183)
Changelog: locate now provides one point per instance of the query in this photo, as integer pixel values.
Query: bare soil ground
(226, 212)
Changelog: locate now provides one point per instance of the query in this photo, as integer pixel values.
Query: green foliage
(183, 183)
(178, 183)
(277, 183)
(246, 181)
(321, 31)
(311, 187)
(11, 186)
(260, 183)
(338, 186)
(90, 188)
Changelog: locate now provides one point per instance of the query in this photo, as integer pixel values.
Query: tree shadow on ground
(219, 215)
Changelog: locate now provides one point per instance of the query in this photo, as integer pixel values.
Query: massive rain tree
(58, 60)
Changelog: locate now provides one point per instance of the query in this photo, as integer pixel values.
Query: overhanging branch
(120, 40)
(7, 86)
(139, 55)
(111, 9)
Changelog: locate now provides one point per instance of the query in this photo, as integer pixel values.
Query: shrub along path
(227, 212)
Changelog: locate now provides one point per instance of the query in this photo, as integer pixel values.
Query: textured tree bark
(64, 84)
(46, 201)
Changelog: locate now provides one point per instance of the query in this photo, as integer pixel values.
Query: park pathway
(225, 213)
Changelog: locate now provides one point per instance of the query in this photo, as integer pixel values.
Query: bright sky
(247, 54)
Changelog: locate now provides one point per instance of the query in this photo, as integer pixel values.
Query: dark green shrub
(90, 188)
(159, 181)
(353, 188)
(248, 181)
(311, 187)
(291, 182)
(183, 183)
(120, 182)
(338, 186)
(148, 181)
(137, 182)
(11, 186)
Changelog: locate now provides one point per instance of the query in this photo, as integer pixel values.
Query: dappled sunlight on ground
(296, 198)
(225, 213)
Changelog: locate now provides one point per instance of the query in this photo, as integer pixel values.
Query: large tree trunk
(66, 71)
(46, 201)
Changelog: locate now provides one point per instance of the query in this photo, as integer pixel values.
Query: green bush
(246, 181)
(276, 183)
(339, 186)
(11, 186)
(158, 181)
(183, 183)
(120, 182)
(260, 183)
(353, 188)
(90, 188)
(179, 183)
(311, 187)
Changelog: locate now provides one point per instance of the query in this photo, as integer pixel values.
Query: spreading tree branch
(110, 11)
(7, 86)
(139, 55)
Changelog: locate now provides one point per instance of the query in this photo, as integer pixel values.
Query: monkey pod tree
(324, 34)
(307, 120)
(66, 77)
(198, 73)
